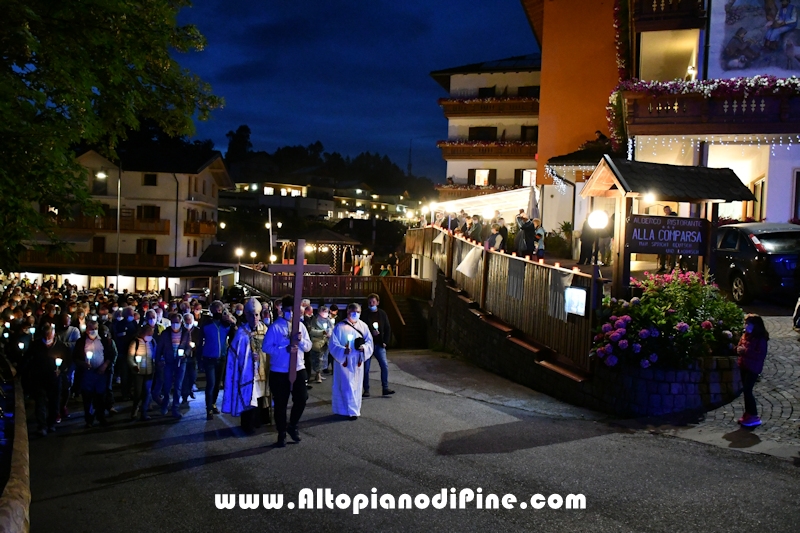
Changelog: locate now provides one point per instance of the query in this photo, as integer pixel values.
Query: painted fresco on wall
(750, 37)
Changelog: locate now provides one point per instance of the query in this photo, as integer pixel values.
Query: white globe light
(598, 220)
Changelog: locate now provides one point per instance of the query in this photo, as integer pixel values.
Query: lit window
(269, 191)
(330, 214)
(344, 202)
(374, 206)
(253, 187)
(295, 192)
(528, 178)
(482, 177)
(284, 192)
(358, 204)
(358, 191)
(401, 197)
(374, 196)
(383, 207)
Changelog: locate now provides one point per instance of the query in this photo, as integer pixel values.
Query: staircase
(414, 334)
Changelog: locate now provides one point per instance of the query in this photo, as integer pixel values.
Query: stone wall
(455, 326)
(16, 498)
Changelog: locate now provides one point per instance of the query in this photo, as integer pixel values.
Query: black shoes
(365, 394)
(210, 415)
(281, 440)
(293, 433)
(387, 392)
(215, 410)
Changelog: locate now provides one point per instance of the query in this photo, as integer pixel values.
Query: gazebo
(325, 246)
(705, 188)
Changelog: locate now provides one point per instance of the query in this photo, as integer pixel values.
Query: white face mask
(189, 325)
(130, 319)
(238, 312)
(92, 333)
(151, 321)
(355, 316)
(119, 318)
(176, 327)
(148, 338)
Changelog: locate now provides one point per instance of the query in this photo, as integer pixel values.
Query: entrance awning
(615, 177)
(507, 202)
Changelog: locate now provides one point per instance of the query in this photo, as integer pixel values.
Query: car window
(729, 240)
(783, 242)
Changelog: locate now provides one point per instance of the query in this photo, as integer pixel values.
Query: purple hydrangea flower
(653, 358)
(623, 344)
(682, 327)
(728, 334)
(643, 334)
(615, 337)
(607, 327)
(637, 347)
(598, 337)
(609, 349)
(626, 318)
(613, 318)
(654, 333)
(613, 300)
(645, 363)
(625, 305)
(611, 360)
(620, 324)
(600, 352)
(635, 300)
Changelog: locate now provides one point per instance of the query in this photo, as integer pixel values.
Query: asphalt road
(449, 425)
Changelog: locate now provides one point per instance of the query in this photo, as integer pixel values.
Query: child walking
(752, 350)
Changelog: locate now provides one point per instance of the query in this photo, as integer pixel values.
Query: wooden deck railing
(514, 290)
(91, 259)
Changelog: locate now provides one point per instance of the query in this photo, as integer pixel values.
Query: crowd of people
(529, 237)
(102, 347)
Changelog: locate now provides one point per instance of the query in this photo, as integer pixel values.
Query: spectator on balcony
(538, 236)
(495, 241)
(784, 22)
(503, 231)
(526, 233)
(475, 229)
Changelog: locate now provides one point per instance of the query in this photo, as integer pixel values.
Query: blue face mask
(287, 315)
(373, 308)
(130, 319)
(355, 316)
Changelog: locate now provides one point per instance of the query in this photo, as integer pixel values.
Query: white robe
(348, 381)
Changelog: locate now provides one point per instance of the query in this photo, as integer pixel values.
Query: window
(204, 185)
(284, 192)
(146, 246)
(482, 177)
(483, 133)
(529, 133)
(148, 212)
(150, 180)
(668, 55)
(529, 91)
(188, 248)
(100, 186)
(729, 239)
(213, 190)
(486, 92)
(194, 249)
(759, 207)
(525, 177)
(194, 183)
(99, 245)
(296, 193)
(269, 191)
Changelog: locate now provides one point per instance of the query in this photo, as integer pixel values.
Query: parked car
(201, 294)
(237, 294)
(758, 259)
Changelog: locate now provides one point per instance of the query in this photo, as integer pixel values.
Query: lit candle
(59, 361)
(32, 330)
(350, 338)
(541, 261)
(138, 359)
(94, 317)
(191, 344)
(5, 334)
(21, 345)
(180, 352)
(558, 265)
(8, 324)
(324, 325)
(89, 356)
(375, 326)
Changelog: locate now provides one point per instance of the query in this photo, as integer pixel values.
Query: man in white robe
(350, 345)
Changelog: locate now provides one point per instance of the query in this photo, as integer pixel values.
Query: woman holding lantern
(141, 354)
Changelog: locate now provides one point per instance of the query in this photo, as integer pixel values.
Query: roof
(763, 227)
(534, 9)
(526, 63)
(619, 177)
(326, 236)
(587, 156)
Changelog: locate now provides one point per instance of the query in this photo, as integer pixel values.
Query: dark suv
(758, 259)
(237, 294)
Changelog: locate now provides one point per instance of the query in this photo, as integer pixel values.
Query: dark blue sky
(352, 74)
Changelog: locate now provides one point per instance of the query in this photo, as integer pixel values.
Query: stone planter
(634, 391)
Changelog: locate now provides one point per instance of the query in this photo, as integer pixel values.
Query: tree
(83, 73)
(239, 145)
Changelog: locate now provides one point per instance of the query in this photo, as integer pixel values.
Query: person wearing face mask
(151, 319)
(69, 335)
(752, 351)
(319, 328)
(171, 350)
(195, 345)
(214, 335)
(45, 376)
(378, 322)
(266, 314)
(246, 390)
(143, 348)
(124, 330)
(92, 371)
(350, 345)
(277, 345)
(160, 318)
(277, 310)
(238, 312)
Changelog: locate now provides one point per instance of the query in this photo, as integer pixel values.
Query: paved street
(449, 425)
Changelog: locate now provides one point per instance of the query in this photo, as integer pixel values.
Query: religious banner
(752, 37)
(666, 235)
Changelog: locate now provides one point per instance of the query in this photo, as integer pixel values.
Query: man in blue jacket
(171, 352)
(214, 335)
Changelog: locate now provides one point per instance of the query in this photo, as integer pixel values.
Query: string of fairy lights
(654, 144)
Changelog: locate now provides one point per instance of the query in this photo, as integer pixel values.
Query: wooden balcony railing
(694, 114)
(92, 259)
(454, 193)
(454, 107)
(488, 149)
(654, 15)
(109, 224)
(199, 227)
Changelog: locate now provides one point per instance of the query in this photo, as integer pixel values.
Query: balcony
(31, 258)
(485, 107)
(455, 149)
(655, 15)
(694, 114)
(457, 192)
(199, 228)
(109, 224)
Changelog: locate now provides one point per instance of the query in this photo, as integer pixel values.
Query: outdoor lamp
(273, 258)
(308, 249)
(239, 252)
(598, 219)
(59, 361)
(324, 249)
(364, 251)
(649, 198)
(222, 225)
(280, 225)
(101, 175)
(425, 210)
(253, 255)
(268, 225)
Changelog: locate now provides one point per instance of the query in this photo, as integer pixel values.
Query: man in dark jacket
(94, 356)
(381, 330)
(172, 348)
(124, 330)
(48, 354)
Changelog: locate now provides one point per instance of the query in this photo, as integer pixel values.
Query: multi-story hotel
(158, 218)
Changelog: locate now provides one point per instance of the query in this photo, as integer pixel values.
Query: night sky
(351, 74)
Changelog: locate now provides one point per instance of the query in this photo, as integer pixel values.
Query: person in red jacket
(752, 350)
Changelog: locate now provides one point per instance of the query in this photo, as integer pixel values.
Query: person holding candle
(319, 329)
(378, 322)
(124, 332)
(192, 357)
(278, 346)
(350, 345)
(214, 335)
(140, 361)
(93, 355)
(45, 353)
(171, 349)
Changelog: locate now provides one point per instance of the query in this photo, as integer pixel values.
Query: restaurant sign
(666, 235)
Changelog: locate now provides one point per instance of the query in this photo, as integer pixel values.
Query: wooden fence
(514, 290)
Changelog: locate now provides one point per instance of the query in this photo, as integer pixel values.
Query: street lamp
(239, 254)
(253, 257)
(102, 175)
(268, 225)
(598, 219)
(280, 225)
(273, 258)
(222, 225)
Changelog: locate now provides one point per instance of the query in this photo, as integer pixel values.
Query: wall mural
(750, 37)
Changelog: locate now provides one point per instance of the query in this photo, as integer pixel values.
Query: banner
(666, 235)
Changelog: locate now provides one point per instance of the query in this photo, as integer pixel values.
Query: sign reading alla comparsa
(667, 235)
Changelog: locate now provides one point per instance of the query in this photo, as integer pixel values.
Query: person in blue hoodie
(215, 337)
